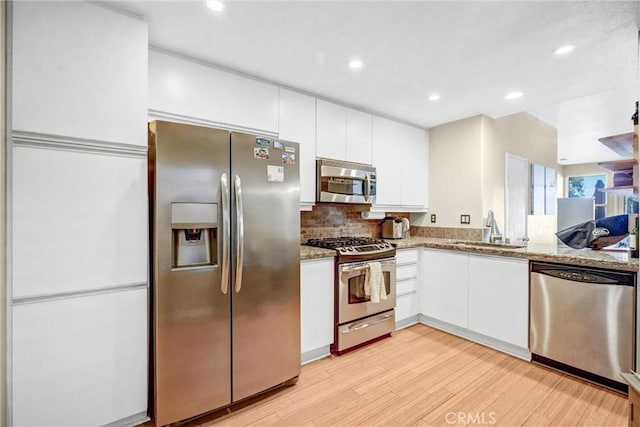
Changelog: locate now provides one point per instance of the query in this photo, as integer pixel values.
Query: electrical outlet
(465, 219)
(433, 218)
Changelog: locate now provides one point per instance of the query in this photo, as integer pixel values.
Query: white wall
(467, 165)
(454, 173)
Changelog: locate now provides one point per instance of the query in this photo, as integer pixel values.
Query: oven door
(352, 302)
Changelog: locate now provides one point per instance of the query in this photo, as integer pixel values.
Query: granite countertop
(617, 260)
(310, 252)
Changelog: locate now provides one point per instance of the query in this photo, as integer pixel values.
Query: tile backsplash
(328, 220)
(338, 220)
(474, 234)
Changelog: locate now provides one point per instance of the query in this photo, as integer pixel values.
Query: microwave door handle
(367, 190)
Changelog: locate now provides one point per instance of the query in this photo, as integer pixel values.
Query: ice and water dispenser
(194, 229)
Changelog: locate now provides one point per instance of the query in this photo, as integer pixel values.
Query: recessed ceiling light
(434, 97)
(355, 64)
(563, 50)
(216, 5)
(514, 95)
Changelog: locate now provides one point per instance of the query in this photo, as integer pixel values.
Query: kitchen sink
(488, 245)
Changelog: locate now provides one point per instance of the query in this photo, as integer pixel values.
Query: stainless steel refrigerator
(225, 236)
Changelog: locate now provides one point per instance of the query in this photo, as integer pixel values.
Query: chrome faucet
(494, 234)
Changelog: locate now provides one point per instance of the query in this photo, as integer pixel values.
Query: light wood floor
(425, 377)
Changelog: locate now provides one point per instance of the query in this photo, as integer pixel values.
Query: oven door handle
(367, 324)
(364, 266)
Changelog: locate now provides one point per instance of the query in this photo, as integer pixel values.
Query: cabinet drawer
(408, 286)
(406, 306)
(407, 256)
(407, 271)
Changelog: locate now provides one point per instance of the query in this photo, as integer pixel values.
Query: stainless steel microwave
(345, 182)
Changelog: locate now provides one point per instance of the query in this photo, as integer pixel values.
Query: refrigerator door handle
(226, 233)
(239, 233)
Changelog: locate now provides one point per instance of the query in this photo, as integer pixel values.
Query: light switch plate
(465, 219)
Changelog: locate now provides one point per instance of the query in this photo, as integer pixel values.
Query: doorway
(516, 197)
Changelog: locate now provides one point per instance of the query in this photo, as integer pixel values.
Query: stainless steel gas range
(358, 319)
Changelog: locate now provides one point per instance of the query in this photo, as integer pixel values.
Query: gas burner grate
(341, 242)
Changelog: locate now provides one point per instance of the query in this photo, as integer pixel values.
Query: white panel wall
(79, 221)
(80, 71)
(79, 216)
(80, 361)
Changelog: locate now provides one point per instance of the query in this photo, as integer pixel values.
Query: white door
(516, 193)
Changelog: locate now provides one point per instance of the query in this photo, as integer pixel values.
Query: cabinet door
(249, 104)
(80, 221)
(79, 70)
(80, 361)
(298, 123)
(331, 141)
(316, 303)
(499, 298)
(358, 136)
(184, 88)
(415, 152)
(387, 158)
(445, 286)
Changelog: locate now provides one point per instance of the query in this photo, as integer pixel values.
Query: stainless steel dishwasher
(582, 321)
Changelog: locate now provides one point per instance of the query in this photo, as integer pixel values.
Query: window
(588, 186)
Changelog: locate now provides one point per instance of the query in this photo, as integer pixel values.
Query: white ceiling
(471, 53)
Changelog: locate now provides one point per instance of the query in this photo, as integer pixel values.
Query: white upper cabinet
(386, 158)
(79, 71)
(298, 123)
(400, 155)
(183, 88)
(414, 167)
(189, 91)
(331, 133)
(249, 104)
(358, 136)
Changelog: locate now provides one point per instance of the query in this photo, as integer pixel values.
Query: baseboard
(505, 347)
(130, 421)
(313, 355)
(405, 323)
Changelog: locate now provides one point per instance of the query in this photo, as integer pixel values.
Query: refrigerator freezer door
(192, 362)
(266, 304)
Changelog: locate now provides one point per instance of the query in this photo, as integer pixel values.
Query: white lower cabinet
(479, 297)
(499, 298)
(80, 361)
(316, 307)
(407, 296)
(446, 286)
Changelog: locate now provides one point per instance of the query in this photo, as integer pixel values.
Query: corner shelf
(619, 165)
(620, 144)
(627, 190)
